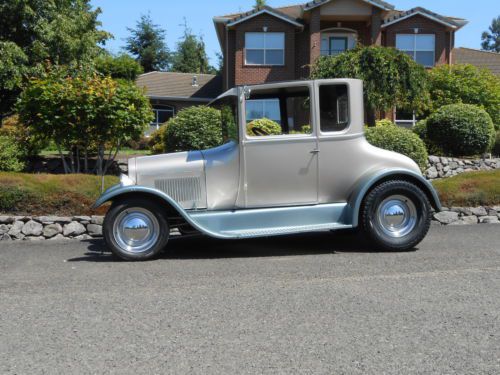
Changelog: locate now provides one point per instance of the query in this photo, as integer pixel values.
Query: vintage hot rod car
(317, 173)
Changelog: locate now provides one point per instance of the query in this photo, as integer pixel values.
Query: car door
(280, 169)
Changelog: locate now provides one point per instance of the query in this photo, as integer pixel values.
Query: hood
(180, 175)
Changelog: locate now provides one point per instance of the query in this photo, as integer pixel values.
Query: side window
(333, 108)
(284, 111)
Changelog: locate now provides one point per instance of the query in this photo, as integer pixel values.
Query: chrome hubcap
(397, 216)
(136, 230)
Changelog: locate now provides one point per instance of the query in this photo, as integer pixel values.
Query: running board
(264, 222)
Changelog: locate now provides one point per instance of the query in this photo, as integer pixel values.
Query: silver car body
(273, 185)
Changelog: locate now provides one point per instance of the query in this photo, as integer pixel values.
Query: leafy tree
(147, 45)
(119, 67)
(34, 32)
(391, 78)
(84, 113)
(491, 38)
(190, 56)
(260, 3)
(465, 84)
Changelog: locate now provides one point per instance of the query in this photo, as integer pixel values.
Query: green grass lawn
(470, 189)
(41, 194)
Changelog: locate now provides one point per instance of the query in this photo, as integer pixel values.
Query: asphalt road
(309, 304)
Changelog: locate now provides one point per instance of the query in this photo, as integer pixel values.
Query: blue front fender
(370, 179)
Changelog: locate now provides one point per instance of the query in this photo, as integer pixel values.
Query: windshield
(228, 106)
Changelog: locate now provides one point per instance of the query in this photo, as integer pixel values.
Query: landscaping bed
(42, 194)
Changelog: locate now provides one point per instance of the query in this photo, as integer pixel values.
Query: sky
(170, 14)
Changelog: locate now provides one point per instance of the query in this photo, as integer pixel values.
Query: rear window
(334, 108)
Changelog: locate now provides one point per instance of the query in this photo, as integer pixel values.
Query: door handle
(315, 152)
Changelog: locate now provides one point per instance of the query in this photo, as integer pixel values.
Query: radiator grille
(187, 189)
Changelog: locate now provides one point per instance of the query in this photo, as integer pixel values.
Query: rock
(97, 220)
(32, 228)
(453, 165)
(94, 230)
(62, 219)
(6, 219)
(5, 237)
(491, 212)
(58, 237)
(82, 218)
(4, 228)
(73, 229)
(459, 170)
(431, 173)
(83, 237)
(479, 211)
(444, 161)
(489, 220)
(434, 159)
(52, 230)
(465, 220)
(446, 217)
(439, 166)
(36, 238)
(496, 208)
(16, 230)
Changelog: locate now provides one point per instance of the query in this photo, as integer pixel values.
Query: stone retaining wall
(50, 227)
(88, 227)
(442, 167)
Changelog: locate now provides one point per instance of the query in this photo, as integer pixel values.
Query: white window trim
(415, 50)
(157, 111)
(413, 122)
(265, 49)
(263, 101)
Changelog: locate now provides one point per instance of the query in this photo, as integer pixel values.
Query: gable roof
(180, 85)
(397, 16)
(276, 12)
(377, 3)
(481, 59)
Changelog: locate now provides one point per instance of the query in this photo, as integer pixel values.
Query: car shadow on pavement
(202, 247)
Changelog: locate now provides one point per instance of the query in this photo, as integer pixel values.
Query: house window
(162, 114)
(421, 47)
(265, 48)
(405, 118)
(337, 45)
(263, 108)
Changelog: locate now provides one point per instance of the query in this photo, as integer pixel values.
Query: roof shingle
(481, 59)
(180, 85)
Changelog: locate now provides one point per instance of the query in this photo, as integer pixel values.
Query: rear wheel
(396, 215)
(136, 229)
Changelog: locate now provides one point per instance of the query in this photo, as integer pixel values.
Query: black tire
(376, 227)
(157, 236)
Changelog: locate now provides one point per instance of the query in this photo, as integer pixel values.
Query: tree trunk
(370, 117)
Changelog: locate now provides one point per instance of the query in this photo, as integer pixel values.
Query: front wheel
(136, 229)
(396, 215)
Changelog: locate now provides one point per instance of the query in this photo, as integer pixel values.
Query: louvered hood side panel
(180, 175)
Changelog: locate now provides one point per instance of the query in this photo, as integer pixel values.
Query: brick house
(277, 44)
(171, 92)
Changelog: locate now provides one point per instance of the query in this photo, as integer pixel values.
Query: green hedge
(194, 128)
(403, 141)
(11, 155)
(263, 127)
(461, 130)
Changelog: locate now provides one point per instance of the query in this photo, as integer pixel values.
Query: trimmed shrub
(420, 129)
(461, 130)
(263, 127)
(403, 141)
(11, 157)
(194, 128)
(384, 122)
